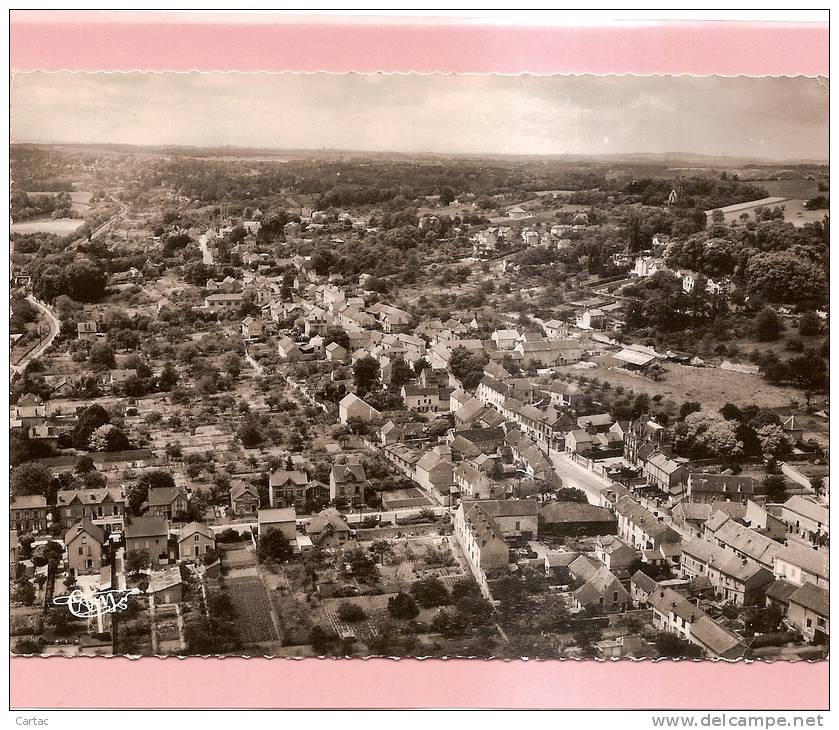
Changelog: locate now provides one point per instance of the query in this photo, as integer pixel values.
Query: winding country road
(54, 326)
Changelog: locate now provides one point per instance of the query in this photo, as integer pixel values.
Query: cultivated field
(59, 226)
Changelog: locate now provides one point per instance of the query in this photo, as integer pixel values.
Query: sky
(766, 118)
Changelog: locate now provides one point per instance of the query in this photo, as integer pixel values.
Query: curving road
(54, 326)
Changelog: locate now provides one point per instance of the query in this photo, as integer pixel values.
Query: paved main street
(574, 475)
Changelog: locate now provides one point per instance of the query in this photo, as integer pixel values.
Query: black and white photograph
(419, 365)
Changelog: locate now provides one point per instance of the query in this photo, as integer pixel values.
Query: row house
(565, 395)
(663, 472)
(739, 580)
(602, 592)
(806, 519)
(403, 458)
(743, 541)
(435, 472)
(28, 513)
(473, 484)
(673, 613)
(392, 319)
(528, 456)
(710, 488)
(223, 302)
(426, 399)
(641, 528)
(105, 507)
(549, 353)
(482, 543)
(799, 564)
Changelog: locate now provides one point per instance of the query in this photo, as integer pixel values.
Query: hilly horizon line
(694, 157)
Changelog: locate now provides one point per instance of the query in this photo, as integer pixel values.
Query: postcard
(439, 366)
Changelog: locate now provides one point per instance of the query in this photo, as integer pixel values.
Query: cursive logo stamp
(104, 601)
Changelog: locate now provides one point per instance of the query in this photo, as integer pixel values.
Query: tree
(381, 549)
(706, 434)
(322, 640)
(273, 546)
(689, 407)
(87, 421)
(571, 494)
(773, 441)
(108, 438)
(809, 325)
(784, 276)
(446, 195)
(468, 367)
(84, 465)
(400, 372)
(25, 593)
(671, 646)
(30, 479)
(136, 561)
(730, 412)
(774, 485)
(138, 493)
(168, 377)
(366, 372)
(350, 612)
(337, 335)
(402, 606)
(768, 325)
(101, 356)
(232, 364)
(430, 592)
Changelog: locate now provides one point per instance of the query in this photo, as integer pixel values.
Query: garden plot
(253, 609)
(375, 607)
(167, 629)
(416, 559)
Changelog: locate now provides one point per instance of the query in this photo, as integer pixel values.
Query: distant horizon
(769, 119)
(685, 156)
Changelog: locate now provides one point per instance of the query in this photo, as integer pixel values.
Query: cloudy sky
(774, 118)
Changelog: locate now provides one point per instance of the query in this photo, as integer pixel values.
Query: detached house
(150, 534)
(244, 499)
(351, 406)
(167, 502)
(328, 528)
(348, 481)
(603, 592)
(83, 543)
(195, 540)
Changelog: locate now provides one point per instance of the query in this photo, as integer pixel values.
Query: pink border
(126, 41)
(129, 41)
(386, 683)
